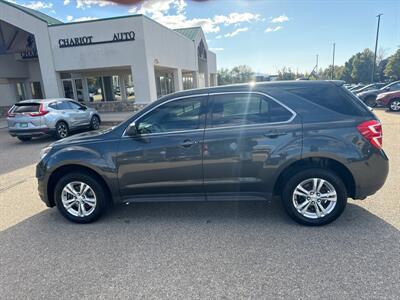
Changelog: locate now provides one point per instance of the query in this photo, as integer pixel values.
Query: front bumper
(43, 180)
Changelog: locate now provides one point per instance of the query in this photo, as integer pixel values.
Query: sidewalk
(107, 118)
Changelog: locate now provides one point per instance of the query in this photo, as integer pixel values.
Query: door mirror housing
(83, 107)
(131, 130)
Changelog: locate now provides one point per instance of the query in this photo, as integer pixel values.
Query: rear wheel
(24, 138)
(370, 101)
(314, 197)
(80, 198)
(95, 123)
(394, 105)
(62, 130)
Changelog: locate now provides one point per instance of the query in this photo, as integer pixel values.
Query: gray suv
(312, 144)
(30, 118)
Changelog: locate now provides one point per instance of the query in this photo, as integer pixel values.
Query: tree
(362, 66)
(286, 74)
(392, 69)
(238, 74)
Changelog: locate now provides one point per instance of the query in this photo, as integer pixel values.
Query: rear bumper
(29, 131)
(370, 175)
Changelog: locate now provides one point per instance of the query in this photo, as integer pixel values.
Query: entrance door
(68, 89)
(165, 158)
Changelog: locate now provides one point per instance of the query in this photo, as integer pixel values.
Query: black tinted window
(26, 107)
(62, 105)
(178, 115)
(240, 109)
(74, 105)
(331, 97)
(53, 105)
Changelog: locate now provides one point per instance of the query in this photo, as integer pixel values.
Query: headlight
(44, 152)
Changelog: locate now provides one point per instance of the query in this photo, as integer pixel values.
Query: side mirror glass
(131, 130)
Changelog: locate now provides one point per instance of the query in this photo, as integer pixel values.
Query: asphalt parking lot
(195, 250)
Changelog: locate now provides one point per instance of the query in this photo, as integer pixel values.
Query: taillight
(10, 114)
(372, 131)
(40, 113)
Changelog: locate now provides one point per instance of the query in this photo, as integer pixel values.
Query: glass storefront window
(79, 90)
(36, 90)
(21, 95)
(95, 87)
(130, 89)
(68, 89)
(164, 83)
(187, 81)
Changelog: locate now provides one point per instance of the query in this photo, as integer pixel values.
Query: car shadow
(200, 249)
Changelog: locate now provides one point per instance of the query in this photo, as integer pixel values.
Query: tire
(62, 130)
(311, 215)
(67, 193)
(394, 105)
(95, 123)
(24, 138)
(370, 101)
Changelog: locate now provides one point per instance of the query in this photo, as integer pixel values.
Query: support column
(122, 87)
(178, 83)
(195, 79)
(144, 81)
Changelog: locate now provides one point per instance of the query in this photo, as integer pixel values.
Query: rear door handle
(274, 133)
(188, 143)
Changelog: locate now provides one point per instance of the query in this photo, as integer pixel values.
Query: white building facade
(130, 59)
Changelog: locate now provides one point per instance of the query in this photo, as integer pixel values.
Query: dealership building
(112, 63)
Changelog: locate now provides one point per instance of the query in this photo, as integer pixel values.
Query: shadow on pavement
(200, 250)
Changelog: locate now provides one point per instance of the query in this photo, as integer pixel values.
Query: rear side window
(62, 105)
(26, 107)
(245, 109)
(330, 97)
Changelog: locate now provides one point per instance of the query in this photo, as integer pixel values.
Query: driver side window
(177, 115)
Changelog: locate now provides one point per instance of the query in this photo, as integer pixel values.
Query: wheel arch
(317, 162)
(62, 170)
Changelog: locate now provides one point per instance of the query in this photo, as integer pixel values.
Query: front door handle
(274, 133)
(188, 143)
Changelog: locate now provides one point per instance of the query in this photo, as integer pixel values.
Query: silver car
(60, 116)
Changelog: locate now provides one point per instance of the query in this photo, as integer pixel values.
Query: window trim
(258, 124)
(294, 114)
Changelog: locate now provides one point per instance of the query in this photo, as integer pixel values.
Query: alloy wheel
(62, 130)
(95, 123)
(78, 199)
(395, 105)
(314, 198)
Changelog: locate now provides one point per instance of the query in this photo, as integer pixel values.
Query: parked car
(313, 143)
(369, 97)
(390, 100)
(356, 87)
(372, 86)
(31, 118)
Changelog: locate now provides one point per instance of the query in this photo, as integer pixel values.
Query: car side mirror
(83, 107)
(131, 130)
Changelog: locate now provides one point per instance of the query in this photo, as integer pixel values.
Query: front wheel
(24, 138)
(314, 197)
(95, 123)
(80, 198)
(394, 105)
(370, 101)
(62, 130)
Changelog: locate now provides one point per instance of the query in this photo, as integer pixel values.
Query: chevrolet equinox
(312, 143)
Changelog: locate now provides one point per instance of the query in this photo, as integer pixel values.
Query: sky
(267, 35)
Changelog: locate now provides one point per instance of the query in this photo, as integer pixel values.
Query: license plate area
(23, 125)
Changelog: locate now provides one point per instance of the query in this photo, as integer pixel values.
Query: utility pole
(376, 47)
(333, 61)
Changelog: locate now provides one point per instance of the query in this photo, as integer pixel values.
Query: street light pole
(376, 47)
(333, 61)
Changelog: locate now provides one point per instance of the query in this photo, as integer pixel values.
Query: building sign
(88, 40)
(30, 48)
